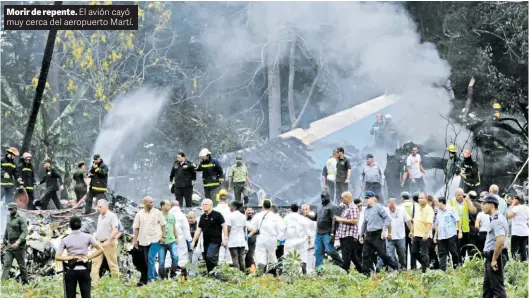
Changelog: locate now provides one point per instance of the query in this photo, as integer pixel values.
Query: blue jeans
(211, 255)
(321, 245)
(154, 249)
(398, 245)
(173, 250)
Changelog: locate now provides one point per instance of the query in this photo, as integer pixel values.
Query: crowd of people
(363, 235)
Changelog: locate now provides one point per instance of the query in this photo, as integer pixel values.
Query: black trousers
(50, 194)
(211, 255)
(376, 188)
(74, 277)
(432, 255)
(249, 259)
(480, 241)
(341, 187)
(463, 246)
(409, 241)
(144, 251)
(519, 244)
(373, 244)
(237, 256)
(419, 249)
(350, 247)
(31, 200)
(89, 201)
(80, 192)
(493, 286)
(182, 193)
(448, 246)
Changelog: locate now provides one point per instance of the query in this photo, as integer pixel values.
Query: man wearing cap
(373, 234)
(52, 179)
(373, 177)
(239, 179)
(15, 240)
(495, 243)
(212, 174)
(26, 178)
(98, 183)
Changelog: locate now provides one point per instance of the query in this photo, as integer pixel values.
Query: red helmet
(13, 150)
(380, 116)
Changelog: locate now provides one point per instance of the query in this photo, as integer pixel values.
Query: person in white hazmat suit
(224, 209)
(183, 231)
(311, 259)
(267, 226)
(296, 230)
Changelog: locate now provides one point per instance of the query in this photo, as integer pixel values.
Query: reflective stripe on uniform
(8, 164)
(209, 165)
(29, 188)
(99, 188)
(27, 169)
(212, 184)
(7, 183)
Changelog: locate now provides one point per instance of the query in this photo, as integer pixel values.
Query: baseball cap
(370, 194)
(369, 155)
(238, 157)
(12, 205)
(491, 200)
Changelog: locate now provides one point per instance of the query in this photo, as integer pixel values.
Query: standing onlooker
(343, 174)
(410, 205)
(373, 235)
(98, 182)
(149, 231)
(322, 243)
(328, 176)
(15, 240)
(296, 230)
(399, 219)
(182, 179)
(348, 233)
(415, 172)
(236, 222)
(519, 215)
(432, 255)
(267, 226)
(76, 264)
(463, 206)
(249, 260)
(360, 223)
(496, 242)
(312, 226)
(106, 233)
(183, 231)
(447, 226)
(80, 177)
(422, 228)
(494, 190)
(239, 178)
(483, 225)
(171, 242)
(224, 209)
(373, 177)
(212, 174)
(213, 226)
(53, 179)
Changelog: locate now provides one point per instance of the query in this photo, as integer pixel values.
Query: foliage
(331, 282)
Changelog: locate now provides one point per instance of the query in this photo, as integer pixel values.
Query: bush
(463, 282)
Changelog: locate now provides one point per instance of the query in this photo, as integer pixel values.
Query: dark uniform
(452, 168)
(493, 285)
(80, 188)
(342, 166)
(377, 131)
(26, 178)
(183, 176)
(8, 179)
(16, 231)
(53, 180)
(470, 175)
(98, 185)
(212, 177)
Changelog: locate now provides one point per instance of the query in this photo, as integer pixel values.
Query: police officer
(182, 179)
(15, 240)
(77, 263)
(495, 244)
(373, 177)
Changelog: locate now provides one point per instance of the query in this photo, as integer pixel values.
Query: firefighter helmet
(203, 152)
(13, 150)
(452, 148)
(496, 106)
(26, 155)
(379, 116)
(388, 117)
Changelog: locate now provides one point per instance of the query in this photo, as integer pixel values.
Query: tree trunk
(307, 101)
(292, 70)
(274, 94)
(37, 100)
(470, 93)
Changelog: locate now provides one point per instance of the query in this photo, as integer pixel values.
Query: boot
(304, 268)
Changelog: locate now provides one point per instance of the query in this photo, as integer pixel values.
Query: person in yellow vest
(464, 207)
(410, 205)
(329, 176)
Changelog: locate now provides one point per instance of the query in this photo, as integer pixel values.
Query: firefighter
(469, 173)
(376, 129)
(52, 179)
(496, 107)
(26, 178)
(452, 166)
(8, 175)
(98, 183)
(212, 175)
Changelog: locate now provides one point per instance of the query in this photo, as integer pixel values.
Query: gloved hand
(245, 237)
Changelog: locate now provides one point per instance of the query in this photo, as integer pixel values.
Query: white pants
(224, 256)
(300, 246)
(183, 257)
(265, 250)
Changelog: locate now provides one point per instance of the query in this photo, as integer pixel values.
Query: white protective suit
(224, 252)
(296, 230)
(311, 259)
(184, 235)
(269, 225)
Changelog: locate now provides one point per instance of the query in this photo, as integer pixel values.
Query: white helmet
(26, 155)
(388, 116)
(204, 152)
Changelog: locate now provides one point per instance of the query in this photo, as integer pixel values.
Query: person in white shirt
(483, 224)
(236, 222)
(224, 209)
(266, 225)
(415, 172)
(399, 217)
(329, 174)
(296, 231)
(183, 230)
(312, 226)
(519, 215)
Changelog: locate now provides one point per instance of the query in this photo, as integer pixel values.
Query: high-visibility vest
(331, 169)
(463, 214)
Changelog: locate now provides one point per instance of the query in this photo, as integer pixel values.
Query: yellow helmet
(496, 106)
(221, 192)
(452, 148)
